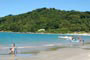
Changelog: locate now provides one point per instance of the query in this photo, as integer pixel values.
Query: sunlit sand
(59, 54)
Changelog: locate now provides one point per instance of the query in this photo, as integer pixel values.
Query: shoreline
(59, 54)
(49, 47)
(83, 34)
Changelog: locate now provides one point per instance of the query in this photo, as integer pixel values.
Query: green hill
(50, 19)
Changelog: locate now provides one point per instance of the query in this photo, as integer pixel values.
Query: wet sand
(60, 54)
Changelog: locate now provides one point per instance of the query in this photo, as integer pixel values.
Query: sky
(22, 6)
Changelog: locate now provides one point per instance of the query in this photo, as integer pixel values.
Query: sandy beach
(60, 54)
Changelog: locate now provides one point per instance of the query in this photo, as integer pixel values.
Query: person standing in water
(81, 41)
(13, 49)
(71, 39)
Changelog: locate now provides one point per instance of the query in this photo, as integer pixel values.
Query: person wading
(13, 49)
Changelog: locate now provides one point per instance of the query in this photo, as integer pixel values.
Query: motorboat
(69, 38)
(65, 37)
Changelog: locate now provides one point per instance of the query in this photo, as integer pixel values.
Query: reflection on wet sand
(12, 57)
(8, 57)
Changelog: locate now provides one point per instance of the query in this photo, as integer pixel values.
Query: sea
(35, 40)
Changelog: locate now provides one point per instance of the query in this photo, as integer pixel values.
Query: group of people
(80, 40)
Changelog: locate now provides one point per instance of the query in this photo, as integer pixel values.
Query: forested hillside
(50, 19)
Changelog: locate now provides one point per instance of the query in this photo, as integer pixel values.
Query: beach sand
(60, 54)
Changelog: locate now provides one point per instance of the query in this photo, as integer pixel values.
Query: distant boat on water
(65, 37)
(68, 38)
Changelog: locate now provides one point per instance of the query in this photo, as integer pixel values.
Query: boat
(75, 40)
(69, 38)
(65, 37)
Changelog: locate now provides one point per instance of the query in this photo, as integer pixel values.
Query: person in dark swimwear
(82, 42)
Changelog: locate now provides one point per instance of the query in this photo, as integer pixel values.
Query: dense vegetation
(50, 19)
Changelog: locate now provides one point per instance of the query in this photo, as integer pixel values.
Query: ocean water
(7, 38)
(32, 40)
(21, 39)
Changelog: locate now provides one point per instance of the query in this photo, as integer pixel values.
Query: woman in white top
(13, 49)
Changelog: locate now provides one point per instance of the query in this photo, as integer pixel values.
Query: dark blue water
(7, 38)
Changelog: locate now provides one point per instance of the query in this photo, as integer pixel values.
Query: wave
(21, 47)
(80, 34)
